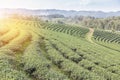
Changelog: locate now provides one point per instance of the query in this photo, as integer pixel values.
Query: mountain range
(66, 13)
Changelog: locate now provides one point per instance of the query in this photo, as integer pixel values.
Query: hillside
(37, 50)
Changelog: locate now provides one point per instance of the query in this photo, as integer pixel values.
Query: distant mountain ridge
(66, 13)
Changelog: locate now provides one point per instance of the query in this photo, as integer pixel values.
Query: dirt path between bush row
(89, 35)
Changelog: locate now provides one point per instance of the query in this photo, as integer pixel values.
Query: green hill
(36, 50)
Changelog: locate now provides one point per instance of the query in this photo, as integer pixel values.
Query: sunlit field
(33, 49)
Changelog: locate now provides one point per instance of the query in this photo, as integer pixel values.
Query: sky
(88, 5)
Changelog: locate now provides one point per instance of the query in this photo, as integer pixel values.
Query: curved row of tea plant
(107, 39)
(72, 30)
(106, 36)
(93, 58)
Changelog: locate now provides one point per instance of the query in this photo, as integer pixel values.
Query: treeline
(55, 16)
(110, 23)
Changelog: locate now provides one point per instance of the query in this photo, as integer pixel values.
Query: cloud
(84, 2)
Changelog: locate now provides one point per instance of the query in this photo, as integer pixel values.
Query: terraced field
(35, 50)
(107, 39)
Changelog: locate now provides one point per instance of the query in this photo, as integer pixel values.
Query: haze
(94, 5)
